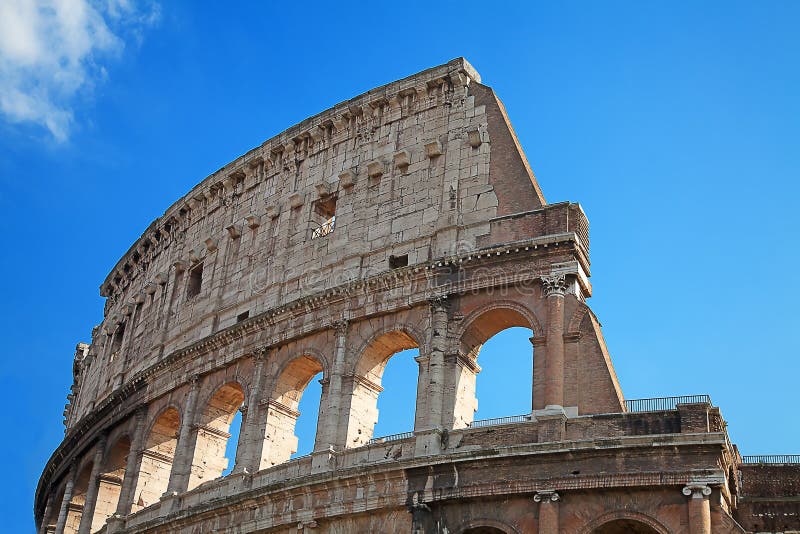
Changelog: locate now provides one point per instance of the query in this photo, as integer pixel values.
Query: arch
(376, 351)
(279, 440)
(624, 522)
(577, 318)
(216, 381)
(50, 518)
(157, 458)
(495, 317)
(480, 326)
(80, 488)
(414, 339)
(209, 461)
(486, 526)
(365, 383)
(112, 473)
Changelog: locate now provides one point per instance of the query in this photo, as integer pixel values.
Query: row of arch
(181, 441)
(611, 523)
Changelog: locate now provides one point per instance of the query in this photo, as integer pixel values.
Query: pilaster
(87, 516)
(184, 450)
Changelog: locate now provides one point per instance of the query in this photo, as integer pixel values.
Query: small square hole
(395, 262)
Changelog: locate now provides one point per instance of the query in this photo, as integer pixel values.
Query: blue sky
(675, 125)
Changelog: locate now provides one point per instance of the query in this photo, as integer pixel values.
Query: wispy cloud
(50, 50)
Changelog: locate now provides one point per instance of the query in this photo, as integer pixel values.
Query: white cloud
(50, 50)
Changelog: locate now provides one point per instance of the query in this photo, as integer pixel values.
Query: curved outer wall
(407, 217)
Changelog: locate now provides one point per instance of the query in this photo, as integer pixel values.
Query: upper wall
(419, 169)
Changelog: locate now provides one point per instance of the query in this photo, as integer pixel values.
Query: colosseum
(406, 217)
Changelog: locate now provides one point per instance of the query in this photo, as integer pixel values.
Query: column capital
(438, 303)
(697, 491)
(554, 284)
(194, 382)
(340, 326)
(264, 353)
(547, 496)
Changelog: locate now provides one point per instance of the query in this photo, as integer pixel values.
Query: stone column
(47, 508)
(331, 435)
(87, 516)
(438, 346)
(184, 450)
(250, 416)
(699, 508)
(554, 287)
(133, 463)
(537, 387)
(548, 511)
(422, 400)
(64, 510)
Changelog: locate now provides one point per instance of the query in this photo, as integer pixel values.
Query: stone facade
(407, 217)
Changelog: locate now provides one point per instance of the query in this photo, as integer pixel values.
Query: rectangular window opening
(323, 217)
(395, 262)
(195, 281)
(243, 316)
(116, 342)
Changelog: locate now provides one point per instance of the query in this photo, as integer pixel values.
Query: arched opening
(157, 458)
(280, 441)
(111, 476)
(209, 459)
(75, 508)
(625, 526)
(398, 382)
(50, 518)
(483, 530)
(232, 446)
(363, 413)
(309, 407)
(496, 344)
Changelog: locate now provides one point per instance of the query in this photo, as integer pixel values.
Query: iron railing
(391, 437)
(500, 421)
(772, 459)
(324, 229)
(659, 404)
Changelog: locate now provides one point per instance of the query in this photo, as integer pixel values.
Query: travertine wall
(404, 218)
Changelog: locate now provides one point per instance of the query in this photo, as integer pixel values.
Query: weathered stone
(440, 256)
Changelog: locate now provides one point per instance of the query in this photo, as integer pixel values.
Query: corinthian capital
(340, 326)
(438, 303)
(554, 284)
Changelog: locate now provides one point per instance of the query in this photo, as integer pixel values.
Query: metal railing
(500, 421)
(659, 404)
(391, 437)
(772, 459)
(324, 229)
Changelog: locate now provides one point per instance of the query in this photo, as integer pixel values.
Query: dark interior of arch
(483, 530)
(624, 526)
